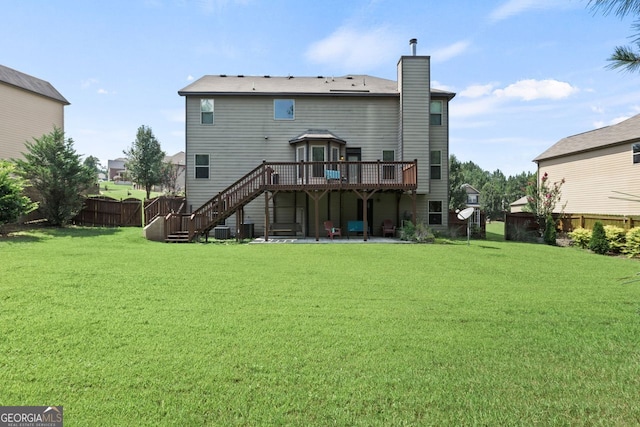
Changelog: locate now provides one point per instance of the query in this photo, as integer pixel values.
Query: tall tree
(542, 199)
(457, 195)
(93, 163)
(623, 56)
(145, 160)
(54, 169)
(492, 195)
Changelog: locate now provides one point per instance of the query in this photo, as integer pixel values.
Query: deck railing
(161, 206)
(346, 175)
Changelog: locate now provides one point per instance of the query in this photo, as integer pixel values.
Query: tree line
(497, 191)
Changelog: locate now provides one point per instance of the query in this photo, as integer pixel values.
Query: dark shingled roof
(623, 132)
(360, 85)
(315, 134)
(30, 83)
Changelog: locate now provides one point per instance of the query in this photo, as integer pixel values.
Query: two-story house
(289, 153)
(600, 168)
(29, 108)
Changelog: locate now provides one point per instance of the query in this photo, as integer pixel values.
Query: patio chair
(388, 228)
(331, 230)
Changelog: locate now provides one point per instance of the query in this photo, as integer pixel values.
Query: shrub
(550, 231)
(598, 242)
(632, 242)
(616, 236)
(13, 202)
(416, 233)
(54, 169)
(580, 237)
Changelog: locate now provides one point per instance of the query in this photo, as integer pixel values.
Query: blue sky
(526, 72)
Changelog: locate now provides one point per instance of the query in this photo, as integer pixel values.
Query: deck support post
(266, 216)
(316, 196)
(365, 196)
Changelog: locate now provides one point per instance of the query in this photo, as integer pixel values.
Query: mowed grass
(122, 331)
(123, 191)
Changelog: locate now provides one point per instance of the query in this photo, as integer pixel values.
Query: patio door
(318, 154)
(354, 172)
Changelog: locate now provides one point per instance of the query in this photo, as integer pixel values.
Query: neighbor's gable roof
(32, 84)
(177, 159)
(361, 85)
(623, 132)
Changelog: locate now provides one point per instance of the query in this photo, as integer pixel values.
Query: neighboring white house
(473, 201)
(340, 149)
(29, 108)
(601, 169)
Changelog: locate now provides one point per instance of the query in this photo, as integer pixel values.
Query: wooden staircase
(181, 228)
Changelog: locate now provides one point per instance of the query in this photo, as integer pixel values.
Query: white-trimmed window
(284, 109)
(435, 117)
(435, 212)
(636, 153)
(206, 111)
(202, 166)
(435, 163)
(388, 171)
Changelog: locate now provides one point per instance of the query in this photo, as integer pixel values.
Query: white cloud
(103, 91)
(529, 90)
(516, 7)
(88, 83)
(189, 78)
(476, 107)
(476, 91)
(451, 51)
(355, 49)
(619, 119)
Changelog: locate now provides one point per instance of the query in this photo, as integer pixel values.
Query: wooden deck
(314, 178)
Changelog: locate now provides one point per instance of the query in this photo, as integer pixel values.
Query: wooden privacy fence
(525, 222)
(108, 212)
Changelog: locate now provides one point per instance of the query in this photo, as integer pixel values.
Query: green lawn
(122, 331)
(123, 191)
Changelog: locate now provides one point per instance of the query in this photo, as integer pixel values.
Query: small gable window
(435, 212)
(435, 158)
(206, 111)
(435, 117)
(202, 166)
(636, 153)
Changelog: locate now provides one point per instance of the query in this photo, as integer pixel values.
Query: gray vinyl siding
(244, 134)
(415, 96)
(595, 179)
(25, 115)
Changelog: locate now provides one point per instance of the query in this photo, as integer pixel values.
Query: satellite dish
(465, 213)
